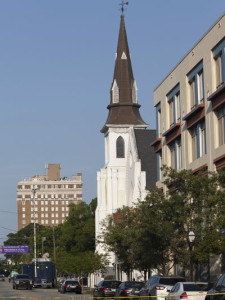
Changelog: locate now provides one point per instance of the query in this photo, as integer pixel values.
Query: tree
(156, 230)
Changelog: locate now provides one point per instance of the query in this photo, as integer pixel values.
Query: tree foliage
(153, 234)
(70, 245)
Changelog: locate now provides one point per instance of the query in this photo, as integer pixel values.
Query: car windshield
(138, 285)
(111, 284)
(72, 282)
(2, 276)
(135, 284)
(192, 287)
(22, 276)
(203, 286)
(170, 281)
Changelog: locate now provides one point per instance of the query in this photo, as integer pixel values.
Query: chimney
(53, 172)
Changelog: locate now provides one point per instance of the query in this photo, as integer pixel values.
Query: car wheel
(16, 287)
(63, 291)
(13, 287)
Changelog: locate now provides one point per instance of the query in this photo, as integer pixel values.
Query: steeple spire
(123, 107)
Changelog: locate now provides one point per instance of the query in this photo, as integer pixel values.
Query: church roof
(146, 154)
(123, 107)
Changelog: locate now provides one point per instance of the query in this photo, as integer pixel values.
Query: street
(7, 292)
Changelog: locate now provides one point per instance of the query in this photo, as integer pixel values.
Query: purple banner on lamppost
(14, 249)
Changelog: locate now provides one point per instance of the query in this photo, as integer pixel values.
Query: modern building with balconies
(190, 108)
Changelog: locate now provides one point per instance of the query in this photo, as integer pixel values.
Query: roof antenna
(122, 5)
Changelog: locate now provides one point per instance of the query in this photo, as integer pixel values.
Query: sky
(56, 68)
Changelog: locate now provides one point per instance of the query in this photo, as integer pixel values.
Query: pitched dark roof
(125, 110)
(146, 154)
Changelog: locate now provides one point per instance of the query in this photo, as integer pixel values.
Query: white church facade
(130, 162)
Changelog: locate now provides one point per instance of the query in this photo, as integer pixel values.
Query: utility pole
(35, 236)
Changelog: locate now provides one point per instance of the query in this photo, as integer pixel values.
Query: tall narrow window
(220, 113)
(196, 86)
(175, 154)
(120, 151)
(174, 105)
(198, 136)
(159, 165)
(219, 58)
(158, 121)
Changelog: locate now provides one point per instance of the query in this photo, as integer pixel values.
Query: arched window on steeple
(120, 151)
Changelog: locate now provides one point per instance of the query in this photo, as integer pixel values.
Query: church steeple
(123, 107)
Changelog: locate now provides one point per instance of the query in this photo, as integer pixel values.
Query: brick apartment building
(45, 198)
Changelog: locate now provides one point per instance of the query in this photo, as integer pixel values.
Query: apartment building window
(158, 120)
(23, 222)
(46, 221)
(120, 148)
(220, 113)
(159, 164)
(175, 154)
(198, 136)
(219, 58)
(23, 209)
(174, 105)
(24, 215)
(196, 86)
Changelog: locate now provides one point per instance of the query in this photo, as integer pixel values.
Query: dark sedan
(70, 286)
(106, 288)
(129, 289)
(217, 292)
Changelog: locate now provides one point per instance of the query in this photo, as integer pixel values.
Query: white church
(130, 162)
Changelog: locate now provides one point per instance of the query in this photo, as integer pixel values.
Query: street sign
(14, 249)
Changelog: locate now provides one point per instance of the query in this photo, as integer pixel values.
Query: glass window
(219, 58)
(220, 113)
(196, 86)
(158, 120)
(159, 164)
(174, 105)
(175, 154)
(198, 135)
(120, 151)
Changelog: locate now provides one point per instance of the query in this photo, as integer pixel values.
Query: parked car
(22, 281)
(159, 286)
(59, 283)
(187, 290)
(135, 292)
(70, 285)
(106, 288)
(2, 277)
(128, 289)
(218, 290)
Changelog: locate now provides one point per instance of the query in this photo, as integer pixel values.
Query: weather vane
(122, 5)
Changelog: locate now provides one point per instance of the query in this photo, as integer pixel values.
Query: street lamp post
(43, 239)
(35, 236)
(191, 238)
